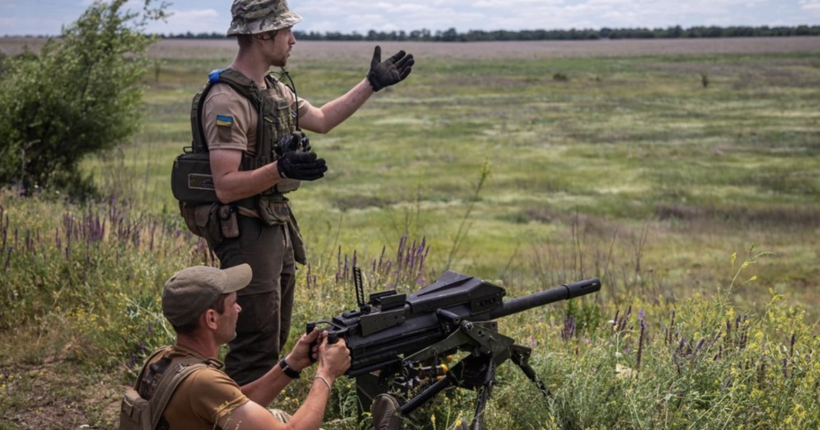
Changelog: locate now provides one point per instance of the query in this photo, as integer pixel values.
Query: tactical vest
(192, 183)
(274, 129)
(143, 406)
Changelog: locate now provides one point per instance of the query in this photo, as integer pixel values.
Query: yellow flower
(623, 372)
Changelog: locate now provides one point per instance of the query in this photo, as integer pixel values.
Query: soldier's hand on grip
(304, 166)
(391, 71)
(334, 358)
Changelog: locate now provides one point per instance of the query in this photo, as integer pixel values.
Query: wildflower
(640, 344)
(623, 372)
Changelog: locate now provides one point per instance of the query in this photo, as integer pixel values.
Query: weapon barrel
(564, 292)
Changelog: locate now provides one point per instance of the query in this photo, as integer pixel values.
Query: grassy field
(704, 155)
(664, 167)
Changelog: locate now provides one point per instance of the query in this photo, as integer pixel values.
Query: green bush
(2, 64)
(79, 95)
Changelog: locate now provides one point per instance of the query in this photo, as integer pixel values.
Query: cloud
(193, 20)
(812, 5)
(388, 15)
(199, 16)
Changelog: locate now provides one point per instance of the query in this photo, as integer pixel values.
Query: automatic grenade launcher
(395, 339)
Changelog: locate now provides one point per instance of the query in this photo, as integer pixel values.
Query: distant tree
(451, 35)
(77, 96)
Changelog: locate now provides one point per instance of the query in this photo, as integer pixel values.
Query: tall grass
(630, 358)
(629, 171)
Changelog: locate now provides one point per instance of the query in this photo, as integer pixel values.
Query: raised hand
(391, 71)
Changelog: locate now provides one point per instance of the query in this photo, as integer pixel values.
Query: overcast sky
(20, 17)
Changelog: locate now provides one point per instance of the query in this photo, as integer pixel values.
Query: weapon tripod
(488, 349)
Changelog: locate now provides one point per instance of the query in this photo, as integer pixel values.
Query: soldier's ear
(209, 318)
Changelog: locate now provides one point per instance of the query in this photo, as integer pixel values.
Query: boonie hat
(191, 291)
(259, 16)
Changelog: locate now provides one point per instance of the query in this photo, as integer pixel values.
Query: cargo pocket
(299, 253)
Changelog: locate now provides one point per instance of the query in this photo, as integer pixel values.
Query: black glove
(304, 166)
(391, 71)
(291, 142)
(305, 142)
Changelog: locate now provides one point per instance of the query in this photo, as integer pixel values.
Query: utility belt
(217, 222)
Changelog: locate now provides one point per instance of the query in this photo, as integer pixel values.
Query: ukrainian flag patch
(224, 121)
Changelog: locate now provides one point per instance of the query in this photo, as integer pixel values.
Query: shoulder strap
(248, 88)
(148, 360)
(241, 85)
(169, 383)
(199, 143)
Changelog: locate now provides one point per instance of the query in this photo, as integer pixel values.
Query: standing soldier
(250, 123)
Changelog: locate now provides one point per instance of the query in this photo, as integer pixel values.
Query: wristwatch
(292, 374)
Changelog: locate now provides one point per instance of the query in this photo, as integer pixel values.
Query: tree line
(452, 35)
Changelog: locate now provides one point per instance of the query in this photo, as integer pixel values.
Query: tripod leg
(484, 395)
(520, 355)
(427, 394)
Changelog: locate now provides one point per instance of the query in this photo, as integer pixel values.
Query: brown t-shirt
(202, 398)
(229, 120)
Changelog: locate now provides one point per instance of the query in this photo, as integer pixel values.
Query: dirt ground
(44, 397)
(358, 51)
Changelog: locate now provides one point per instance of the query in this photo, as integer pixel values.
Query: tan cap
(191, 291)
(259, 16)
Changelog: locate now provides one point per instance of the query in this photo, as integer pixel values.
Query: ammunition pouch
(135, 412)
(212, 227)
(273, 209)
(204, 221)
(191, 180)
(188, 212)
(229, 226)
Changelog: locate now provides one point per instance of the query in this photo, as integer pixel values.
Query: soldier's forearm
(333, 113)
